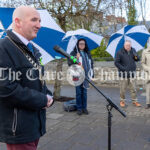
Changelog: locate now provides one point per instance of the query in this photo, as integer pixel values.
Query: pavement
(68, 131)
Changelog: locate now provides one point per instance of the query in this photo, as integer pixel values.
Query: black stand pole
(109, 107)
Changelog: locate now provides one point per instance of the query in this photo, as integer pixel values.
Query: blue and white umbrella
(48, 36)
(70, 39)
(5, 20)
(138, 35)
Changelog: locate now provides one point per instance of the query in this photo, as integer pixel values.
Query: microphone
(62, 52)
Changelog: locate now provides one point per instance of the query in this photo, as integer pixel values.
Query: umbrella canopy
(5, 20)
(138, 35)
(71, 37)
(48, 36)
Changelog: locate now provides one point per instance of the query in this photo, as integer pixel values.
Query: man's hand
(49, 101)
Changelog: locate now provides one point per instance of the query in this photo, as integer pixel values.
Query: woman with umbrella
(82, 53)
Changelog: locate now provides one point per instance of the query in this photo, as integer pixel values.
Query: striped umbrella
(71, 37)
(138, 35)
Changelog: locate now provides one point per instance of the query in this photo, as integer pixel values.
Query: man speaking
(23, 101)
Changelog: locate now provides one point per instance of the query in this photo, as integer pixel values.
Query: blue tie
(30, 47)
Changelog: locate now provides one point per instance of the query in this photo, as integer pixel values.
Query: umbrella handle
(77, 49)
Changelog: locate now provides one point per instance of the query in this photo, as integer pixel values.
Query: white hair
(127, 41)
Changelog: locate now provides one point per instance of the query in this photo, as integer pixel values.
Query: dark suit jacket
(22, 118)
(125, 62)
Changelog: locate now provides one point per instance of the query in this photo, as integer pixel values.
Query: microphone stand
(110, 104)
(109, 107)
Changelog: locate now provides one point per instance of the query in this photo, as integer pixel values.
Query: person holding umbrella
(82, 53)
(125, 62)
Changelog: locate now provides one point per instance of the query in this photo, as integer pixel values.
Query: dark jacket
(125, 62)
(22, 118)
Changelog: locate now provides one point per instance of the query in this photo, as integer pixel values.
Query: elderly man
(23, 96)
(146, 66)
(125, 62)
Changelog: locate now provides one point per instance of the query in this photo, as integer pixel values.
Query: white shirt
(23, 39)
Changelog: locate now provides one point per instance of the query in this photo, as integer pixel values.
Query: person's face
(29, 24)
(127, 46)
(82, 45)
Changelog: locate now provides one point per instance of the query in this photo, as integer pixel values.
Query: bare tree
(114, 12)
(143, 9)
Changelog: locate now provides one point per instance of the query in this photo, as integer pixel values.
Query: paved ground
(68, 131)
